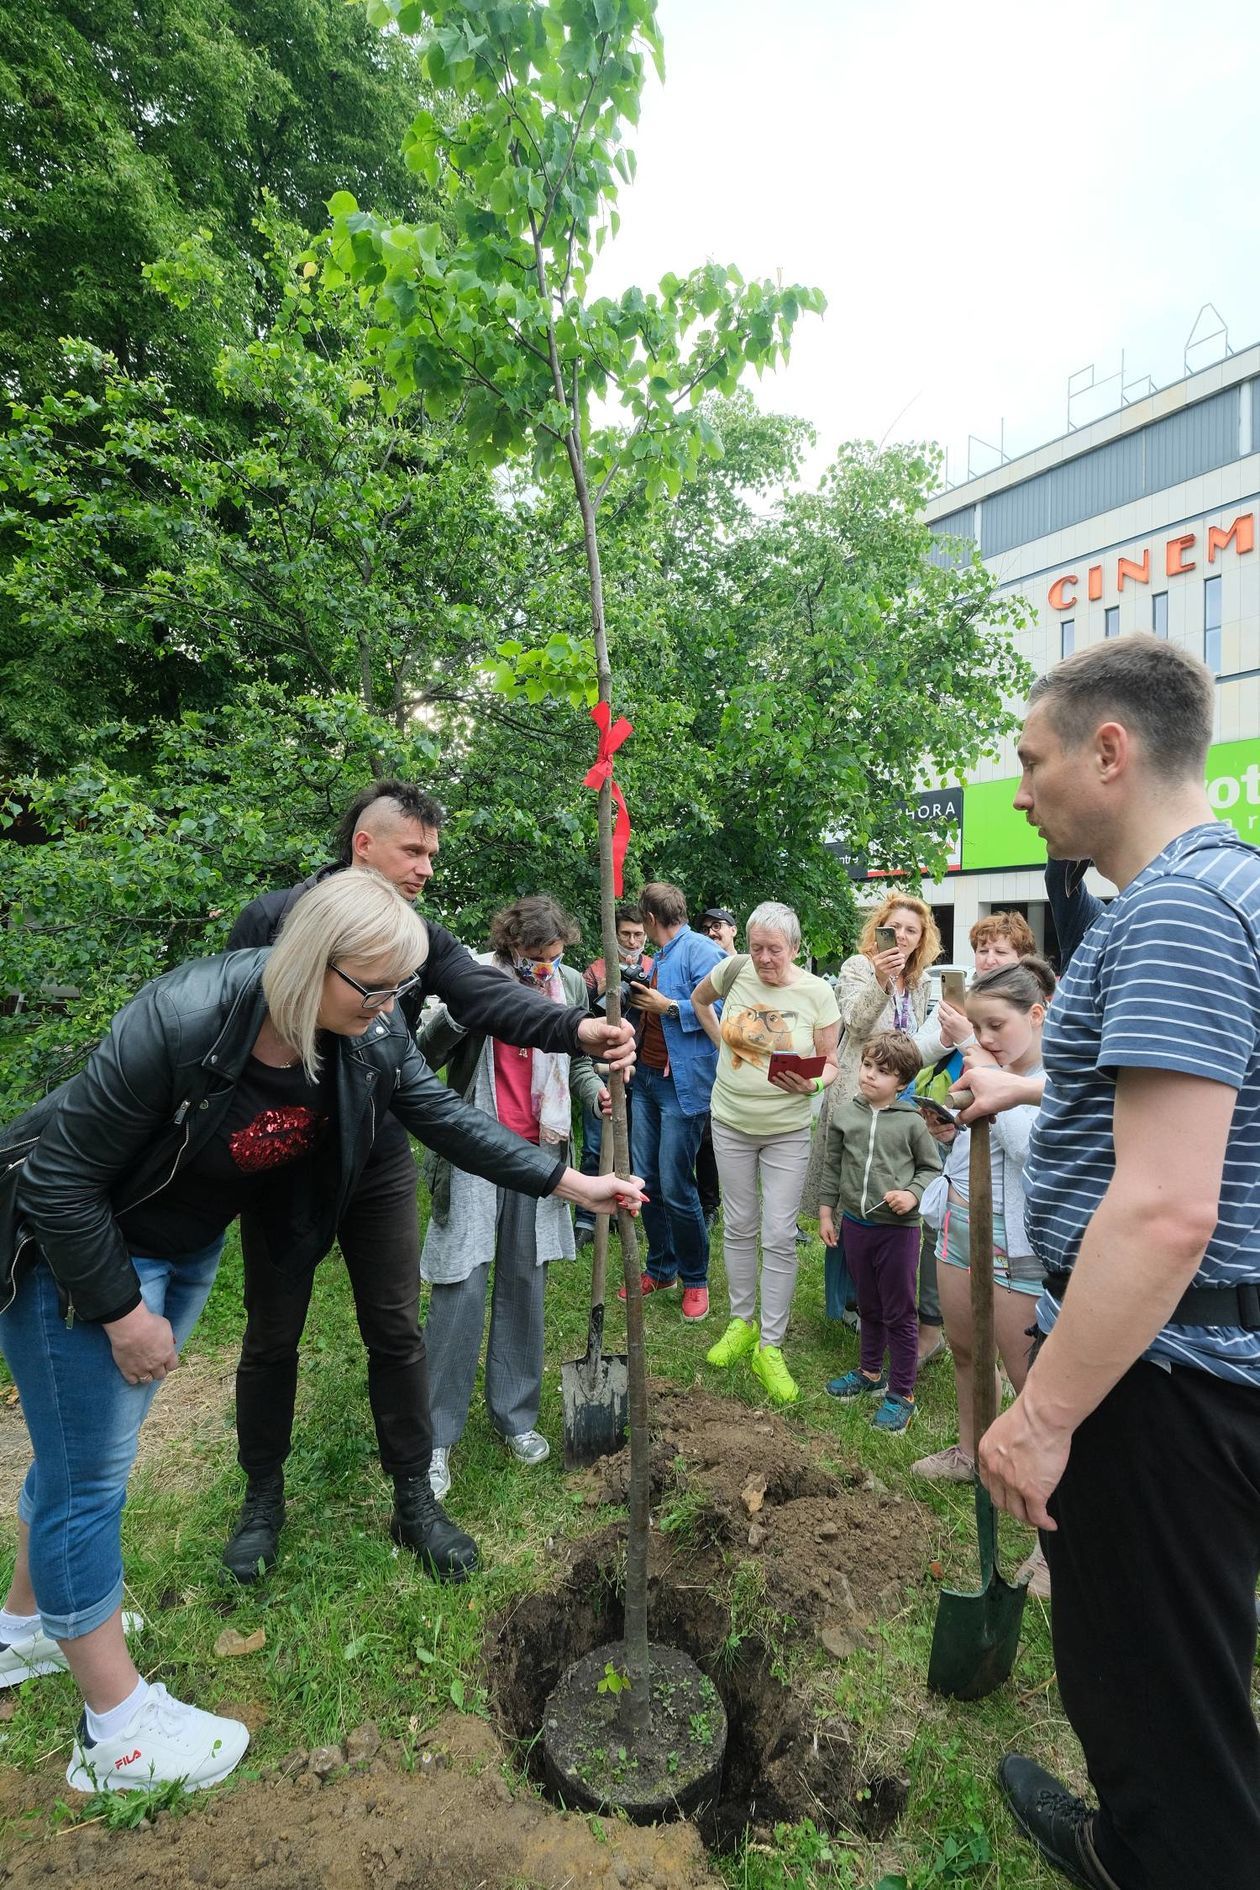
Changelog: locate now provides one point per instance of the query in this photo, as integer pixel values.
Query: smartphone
(781, 1060)
(954, 988)
(929, 1106)
(885, 938)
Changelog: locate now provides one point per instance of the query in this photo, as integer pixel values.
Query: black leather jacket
(156, 1090)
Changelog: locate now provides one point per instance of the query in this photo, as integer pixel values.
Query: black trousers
(707, 1184)
(1154, 1567)
(380, 1242)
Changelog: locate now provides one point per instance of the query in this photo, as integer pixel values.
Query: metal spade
(596, 1389)
(976, 1636)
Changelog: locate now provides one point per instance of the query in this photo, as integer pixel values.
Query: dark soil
(670, 1767)
(733, 1489)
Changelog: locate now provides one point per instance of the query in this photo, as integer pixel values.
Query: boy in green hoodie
(878, 1160)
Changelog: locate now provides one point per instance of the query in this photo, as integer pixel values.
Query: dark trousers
(884, 1263)
(380, 1243)
(1154, 1565)
(707, 1185)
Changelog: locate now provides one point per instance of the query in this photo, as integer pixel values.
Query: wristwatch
(671, 1010)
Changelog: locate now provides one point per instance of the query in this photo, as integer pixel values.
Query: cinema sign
(1178, 562)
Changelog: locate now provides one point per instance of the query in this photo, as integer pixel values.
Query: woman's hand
(601, 1194)
(826, 1227)
(953, 1024)
(143, 1346)
(795, 1084)
(888, 967)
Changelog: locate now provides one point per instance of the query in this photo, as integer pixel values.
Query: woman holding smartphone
(776, 1055)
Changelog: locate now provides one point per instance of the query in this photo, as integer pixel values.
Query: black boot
(252, 1550)
(1059, 1823)
(421, 1524)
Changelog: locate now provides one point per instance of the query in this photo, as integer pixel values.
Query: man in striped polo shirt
(1135, 1444)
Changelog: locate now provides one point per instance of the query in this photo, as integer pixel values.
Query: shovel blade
(596, 1395)
(975, 1640)
(976, 1637)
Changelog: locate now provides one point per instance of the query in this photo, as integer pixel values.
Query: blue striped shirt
(1167, 978)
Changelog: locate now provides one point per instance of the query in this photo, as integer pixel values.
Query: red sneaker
(695, 1302)
(648, 1285)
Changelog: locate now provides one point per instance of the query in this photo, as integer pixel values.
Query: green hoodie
(871, 1151)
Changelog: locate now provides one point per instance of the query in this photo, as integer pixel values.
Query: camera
(628, 979)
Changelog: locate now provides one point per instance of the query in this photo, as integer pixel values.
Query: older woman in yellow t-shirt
(771, 1007)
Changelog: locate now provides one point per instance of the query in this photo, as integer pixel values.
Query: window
(1111, 621)
(1067, 636)
(1159, 614)
(1212, 624)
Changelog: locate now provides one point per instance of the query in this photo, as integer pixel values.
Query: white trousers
(776, 1165)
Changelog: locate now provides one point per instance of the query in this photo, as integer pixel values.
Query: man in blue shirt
(1135, 1444)
(674, 1079)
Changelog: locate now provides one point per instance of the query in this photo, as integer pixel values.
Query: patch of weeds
(680, 1513)
(752, 1618)
(701, 1728)
(124, 1811)
(801, 1858)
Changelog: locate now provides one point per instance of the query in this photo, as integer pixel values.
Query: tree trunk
(636, 1703)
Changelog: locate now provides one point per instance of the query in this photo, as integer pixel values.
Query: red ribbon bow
(611, 736)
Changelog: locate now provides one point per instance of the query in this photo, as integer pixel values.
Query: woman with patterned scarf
(529, 1091)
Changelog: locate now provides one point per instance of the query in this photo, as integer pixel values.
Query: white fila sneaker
(165, 1741)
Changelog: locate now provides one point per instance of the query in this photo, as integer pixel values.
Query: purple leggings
(884, 1264)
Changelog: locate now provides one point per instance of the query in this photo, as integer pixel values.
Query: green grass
(355, 1631)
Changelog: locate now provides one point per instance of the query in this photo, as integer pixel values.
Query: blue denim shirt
(680, 965)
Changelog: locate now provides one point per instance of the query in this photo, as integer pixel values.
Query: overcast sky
(990, 195)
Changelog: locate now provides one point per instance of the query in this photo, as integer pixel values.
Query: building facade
(1147, 519)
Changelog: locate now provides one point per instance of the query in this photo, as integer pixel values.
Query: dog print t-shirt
(758, 1019)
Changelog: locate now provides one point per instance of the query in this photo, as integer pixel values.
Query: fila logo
(127, 1759)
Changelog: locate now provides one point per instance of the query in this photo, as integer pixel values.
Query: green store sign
(995, 838)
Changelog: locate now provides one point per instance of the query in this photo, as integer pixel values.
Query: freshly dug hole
(783, 1761)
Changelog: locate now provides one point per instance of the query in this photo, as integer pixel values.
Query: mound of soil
(451, 1823)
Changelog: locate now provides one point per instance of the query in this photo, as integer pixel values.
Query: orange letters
(1242, 531)
(1176, 564)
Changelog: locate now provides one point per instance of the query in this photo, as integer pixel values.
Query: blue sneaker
(894, 1413)
(855, 1385)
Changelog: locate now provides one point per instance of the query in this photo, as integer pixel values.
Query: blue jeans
(663, 1146)
(84, 1421)
(592, 1144)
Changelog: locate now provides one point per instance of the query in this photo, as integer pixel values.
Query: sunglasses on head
(377, 1000)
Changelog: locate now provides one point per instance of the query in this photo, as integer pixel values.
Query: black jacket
(1072, 907)
(478, 997)
(156, 1090)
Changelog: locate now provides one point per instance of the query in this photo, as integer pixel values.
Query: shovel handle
(599, 1260)
(980, 1220)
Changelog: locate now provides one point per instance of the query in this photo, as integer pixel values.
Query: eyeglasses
(377, 1000)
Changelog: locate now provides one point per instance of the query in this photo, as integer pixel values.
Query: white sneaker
(165, 1741)
(440, 1472)
(946, 1466)
(529, 1447)
(38, 1653)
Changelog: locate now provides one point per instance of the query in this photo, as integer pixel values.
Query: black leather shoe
(419, 1523)
(1057, 1821)
(254, 1547)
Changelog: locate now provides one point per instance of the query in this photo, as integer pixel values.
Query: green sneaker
(740, 1337)
(767, 1365)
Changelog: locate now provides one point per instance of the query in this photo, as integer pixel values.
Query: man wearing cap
(718, 923)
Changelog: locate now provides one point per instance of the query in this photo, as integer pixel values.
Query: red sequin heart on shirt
(274, 1137)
